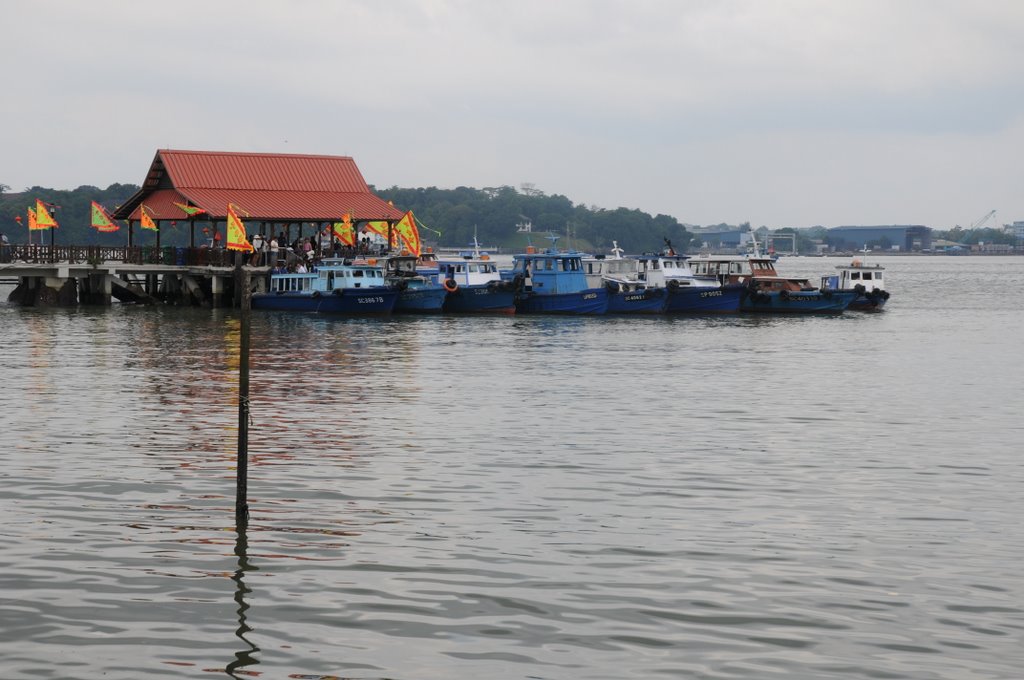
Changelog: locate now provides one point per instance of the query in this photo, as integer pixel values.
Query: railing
(97, 255)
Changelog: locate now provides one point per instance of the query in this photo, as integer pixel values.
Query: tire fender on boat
(673, 284)
(450, 285)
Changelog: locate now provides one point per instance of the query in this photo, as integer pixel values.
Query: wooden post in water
(242, 484)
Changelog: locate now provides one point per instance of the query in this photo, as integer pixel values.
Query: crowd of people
(305, 251)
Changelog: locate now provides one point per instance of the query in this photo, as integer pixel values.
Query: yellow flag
(344, 232)
(237, 239)
(407, 231)
(379, 227)
(44, 220)
(101, 219)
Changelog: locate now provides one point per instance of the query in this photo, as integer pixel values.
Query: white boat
(866, 280)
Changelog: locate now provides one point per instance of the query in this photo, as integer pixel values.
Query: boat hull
(481, 299)
(421, 300)
(797, 302)
(588, 301)
(650, 301)
(344, 301)
(705, 300)
(869, 302)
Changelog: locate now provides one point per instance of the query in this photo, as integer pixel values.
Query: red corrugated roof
(270, 187)
(262, 171)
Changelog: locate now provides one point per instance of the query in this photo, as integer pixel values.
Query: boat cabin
(855, 274)
(663, 271)
(733, 268)
(551, 272)
(470, 271)
(333, 273)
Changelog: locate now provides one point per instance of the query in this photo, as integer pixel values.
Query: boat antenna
(753, 240)
(668, 246)
(553, 238)
(476, 244)
(616, 250)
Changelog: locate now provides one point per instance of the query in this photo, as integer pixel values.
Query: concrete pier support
(217, 291)
(95, 290)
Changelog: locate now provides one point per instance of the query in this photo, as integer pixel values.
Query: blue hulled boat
(335, 287)
(863, 279)
(553, 283)
(627, 294)
(474, 285)
(688, 293)
(763, 290)
(418, 293)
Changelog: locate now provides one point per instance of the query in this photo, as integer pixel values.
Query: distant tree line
(451, 217)
(492, 214)
(976, 236)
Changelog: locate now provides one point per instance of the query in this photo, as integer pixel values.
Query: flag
(101, 220)
(190, 210)
(344, 232)
(44, 220)
(407, 231)
(237, 239)
(380, 227)
(146, 221)
(33, 225)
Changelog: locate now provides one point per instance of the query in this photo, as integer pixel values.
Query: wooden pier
(94, 275)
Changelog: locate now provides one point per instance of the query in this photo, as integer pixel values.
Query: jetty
(277, 195)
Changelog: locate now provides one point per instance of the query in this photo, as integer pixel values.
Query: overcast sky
(782, 113)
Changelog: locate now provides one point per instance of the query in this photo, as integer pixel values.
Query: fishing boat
(553, 282)
(418, 293)
(688, 292)
(627, 293)
(764, 290)
(337, 286)
(475, 285)
(865, 280)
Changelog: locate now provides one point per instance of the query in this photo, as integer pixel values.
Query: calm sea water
(504, 498)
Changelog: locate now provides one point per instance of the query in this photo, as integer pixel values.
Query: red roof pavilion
(266, 187)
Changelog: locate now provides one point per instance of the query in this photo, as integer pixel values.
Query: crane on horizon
(983, 220)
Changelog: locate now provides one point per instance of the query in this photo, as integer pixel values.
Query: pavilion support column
(191, 232)
(217, 291)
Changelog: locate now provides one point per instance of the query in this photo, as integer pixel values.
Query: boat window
(855, 275)
(358, 273)
(867, 276)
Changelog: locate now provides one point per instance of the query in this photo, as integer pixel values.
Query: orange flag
(146, 221)
(237, 239)
(33, 225)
